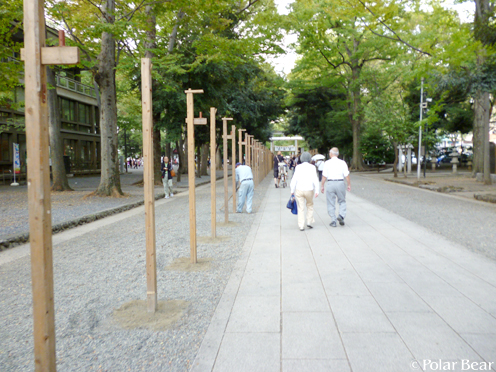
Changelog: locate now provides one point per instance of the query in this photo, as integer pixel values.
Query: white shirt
(335, 169)
(305, 178)
(243, 172)
(320, 164)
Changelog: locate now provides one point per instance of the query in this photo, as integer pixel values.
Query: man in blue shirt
(244, 177)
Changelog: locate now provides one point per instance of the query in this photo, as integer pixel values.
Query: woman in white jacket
(304, 186)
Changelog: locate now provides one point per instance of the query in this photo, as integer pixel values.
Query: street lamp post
(420, 127)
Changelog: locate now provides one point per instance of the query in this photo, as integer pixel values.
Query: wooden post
(250, 149)
(254, 170)
(247, 157)
(259, 167)
(233, 167)
(225, 137)
(149, 184)
(191, 172)
(247, 149)
(40, 221)
(240, 144)
(213, 176)
(36, 56)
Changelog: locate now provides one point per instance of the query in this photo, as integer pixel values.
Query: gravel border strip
(489, 198)
(19, 239)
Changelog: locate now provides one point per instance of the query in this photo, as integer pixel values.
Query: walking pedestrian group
(332, 175)
(307, 176)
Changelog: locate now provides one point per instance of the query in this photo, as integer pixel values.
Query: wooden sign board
(198, 121)
(57, 55)
(285, 148)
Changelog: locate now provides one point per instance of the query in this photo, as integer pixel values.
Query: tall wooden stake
(233, 167)
(149, 184)
(213, 177)
(247, 151)
(36, 56)
(225, 137)
(40, 221)
(191, 172)
(240, 144)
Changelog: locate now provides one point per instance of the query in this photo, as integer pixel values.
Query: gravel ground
(470, 223)
(70, 205)
(100, 271)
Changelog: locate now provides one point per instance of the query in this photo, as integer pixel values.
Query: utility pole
(420, 127)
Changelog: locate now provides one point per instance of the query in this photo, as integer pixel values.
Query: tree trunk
(157, 153)
(218, 159)
(356, 118)
(183, 159)
(482, 106)
(110, 182)
(180, 162)
(481, 117)
(168, 150)
(204, 159)
(197, 162)
(60, 182)
(396, 159)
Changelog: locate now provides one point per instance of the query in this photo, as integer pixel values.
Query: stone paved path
(379, 294)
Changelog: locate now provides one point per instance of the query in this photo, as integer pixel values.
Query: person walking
(333, 176)
(244, 178)
(304, 186)
(277, 159)
(167, 177)
(319, 164)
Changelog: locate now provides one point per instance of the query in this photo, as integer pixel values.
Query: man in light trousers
(304, 186)
(333, 176)
(244, 177)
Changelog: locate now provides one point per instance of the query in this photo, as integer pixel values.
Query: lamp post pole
(420, 127)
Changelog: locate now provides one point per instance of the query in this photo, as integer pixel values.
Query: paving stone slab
(385, 352)
(310, 335)
(315, 365)
(249, 352)
(359, 314)
(429, 337)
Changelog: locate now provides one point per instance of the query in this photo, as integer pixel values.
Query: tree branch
(130, 15)
(173, 35)
(332, 64)
(373, 59)
(81, 44)
(96, 6)
(398, 38)
(250, 3)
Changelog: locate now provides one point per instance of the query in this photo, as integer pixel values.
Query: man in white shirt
(304, 185)
(334, 173)
(244, 177)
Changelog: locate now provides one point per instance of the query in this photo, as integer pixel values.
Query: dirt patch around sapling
(227, 224)
(134, 314)
(210, 240)
(184, 264)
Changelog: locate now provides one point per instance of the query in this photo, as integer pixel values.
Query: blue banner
(17, 159)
